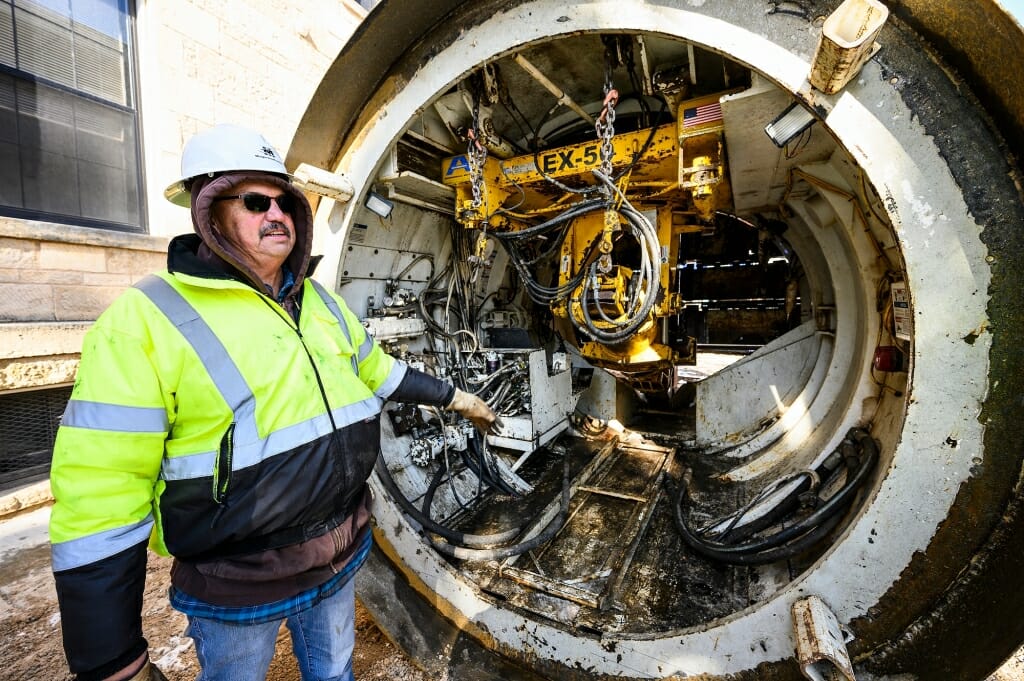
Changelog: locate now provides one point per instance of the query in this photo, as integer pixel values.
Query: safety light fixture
(888, 358)
(379, 205)
(790, 123)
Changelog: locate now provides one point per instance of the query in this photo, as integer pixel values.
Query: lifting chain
(605, 127)
(476, 153)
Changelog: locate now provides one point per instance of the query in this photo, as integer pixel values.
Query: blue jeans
(322, 640)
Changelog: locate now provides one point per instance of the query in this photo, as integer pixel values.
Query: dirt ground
(30, 642)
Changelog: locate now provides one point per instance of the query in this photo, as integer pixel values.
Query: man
(225, 412)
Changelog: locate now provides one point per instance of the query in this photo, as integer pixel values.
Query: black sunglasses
(260, 203)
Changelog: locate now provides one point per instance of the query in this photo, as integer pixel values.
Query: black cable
(548, 533)
(646, 237)
(772, 555)
(552, 250)
(520, 120)
(452, 535)
(538, 293)
(449, 535)
(535, 148)
(487, 459)
(418, 258)
(431, 300)
(796, 537)
(428, 319)
(543, 295)
(573, 211)
(474, 540)
(461, 279)
(479, 463)
(736, 532)
(647, 143)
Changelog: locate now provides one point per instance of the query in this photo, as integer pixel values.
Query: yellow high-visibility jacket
(206, 422)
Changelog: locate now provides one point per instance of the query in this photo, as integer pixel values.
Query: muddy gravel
(30, 641)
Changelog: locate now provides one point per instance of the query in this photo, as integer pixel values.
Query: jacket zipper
(335, 460)
(222, 473)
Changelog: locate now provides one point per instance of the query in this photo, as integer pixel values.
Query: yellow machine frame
(676, 176)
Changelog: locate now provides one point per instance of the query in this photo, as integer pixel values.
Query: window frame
(133, 108)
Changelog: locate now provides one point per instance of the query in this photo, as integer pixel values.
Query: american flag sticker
(698, 115)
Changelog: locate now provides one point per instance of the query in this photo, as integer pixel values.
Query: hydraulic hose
(461, 551)
(473, 460)
(474, 467)
(549, 531)
(432, 526)
(772, 555)
(736, 532)
(799, 536)
(545, 295)
(491, 476)
(648, 282)
(573, 211)
(645, 235)
(473, 540)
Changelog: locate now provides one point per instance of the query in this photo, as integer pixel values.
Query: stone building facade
(184, 65)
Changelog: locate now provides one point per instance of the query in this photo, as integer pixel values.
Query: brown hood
(204, 189)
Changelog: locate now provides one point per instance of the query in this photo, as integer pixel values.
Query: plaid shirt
(278, 610)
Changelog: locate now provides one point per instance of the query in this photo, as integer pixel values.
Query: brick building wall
(250, 62)
(199, 63)
(54, 281)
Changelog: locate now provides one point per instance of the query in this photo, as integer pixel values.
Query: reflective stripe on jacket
(207, 422)
(174, 367)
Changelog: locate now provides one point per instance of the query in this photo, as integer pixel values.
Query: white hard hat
(223, 148)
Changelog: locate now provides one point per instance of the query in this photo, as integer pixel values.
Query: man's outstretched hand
(476, 410)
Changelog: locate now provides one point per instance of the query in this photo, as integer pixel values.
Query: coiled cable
(464, 546)
(800, 535)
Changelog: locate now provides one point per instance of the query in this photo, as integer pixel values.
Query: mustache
(274, 227)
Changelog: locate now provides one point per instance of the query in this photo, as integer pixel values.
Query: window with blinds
(68, 119)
